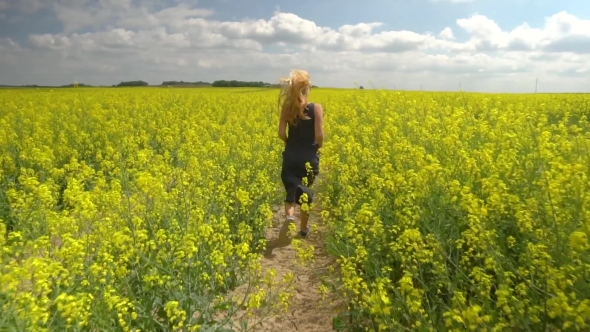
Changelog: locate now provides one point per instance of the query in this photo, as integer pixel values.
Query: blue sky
(387, 43)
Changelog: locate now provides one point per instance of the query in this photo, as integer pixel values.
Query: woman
(304, 121)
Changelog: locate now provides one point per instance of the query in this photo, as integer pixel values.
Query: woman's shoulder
(316, 108)
(313, 106)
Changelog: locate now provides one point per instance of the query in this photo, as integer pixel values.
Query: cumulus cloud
(446, 34)
(107, 41)
(563, 32)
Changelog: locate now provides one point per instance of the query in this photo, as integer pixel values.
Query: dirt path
(309, 309)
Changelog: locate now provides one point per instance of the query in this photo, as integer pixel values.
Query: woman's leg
(304, 220)
(289, 210)
(290, 182)
(306, 203)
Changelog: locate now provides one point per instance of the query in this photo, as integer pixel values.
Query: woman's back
(301, 144)
(301, 129)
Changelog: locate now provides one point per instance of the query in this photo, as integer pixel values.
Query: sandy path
(309, 310)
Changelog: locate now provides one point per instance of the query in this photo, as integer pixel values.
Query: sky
(475, 45)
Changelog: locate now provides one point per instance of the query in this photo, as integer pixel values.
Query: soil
(309, 310)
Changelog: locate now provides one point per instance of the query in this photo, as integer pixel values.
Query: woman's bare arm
(319, 124)
(283, 128)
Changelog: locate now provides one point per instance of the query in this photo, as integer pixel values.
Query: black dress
(301, 148)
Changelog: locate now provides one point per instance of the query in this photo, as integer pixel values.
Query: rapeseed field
(139, 209)
(455, 212)
(133, 209)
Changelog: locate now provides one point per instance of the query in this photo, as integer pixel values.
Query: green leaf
(338, 324)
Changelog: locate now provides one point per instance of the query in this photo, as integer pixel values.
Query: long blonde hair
(293, 96)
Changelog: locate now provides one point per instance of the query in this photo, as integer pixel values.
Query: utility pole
(536, 84)
(459, 85)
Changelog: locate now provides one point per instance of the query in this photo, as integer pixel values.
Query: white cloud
(447, 34)
(182, 42)
(359, 30)
(562, 32)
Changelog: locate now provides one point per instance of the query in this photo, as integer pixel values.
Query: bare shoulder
(318, 109)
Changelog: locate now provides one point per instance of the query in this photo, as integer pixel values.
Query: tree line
(218, 83)
(235, 84)
(197, 83)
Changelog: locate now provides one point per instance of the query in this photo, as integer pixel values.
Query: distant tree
(362, 88)
(75, 85)
(197, 83)
(133, 83)
(236, 84)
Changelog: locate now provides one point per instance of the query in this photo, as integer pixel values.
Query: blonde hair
(294, 91)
